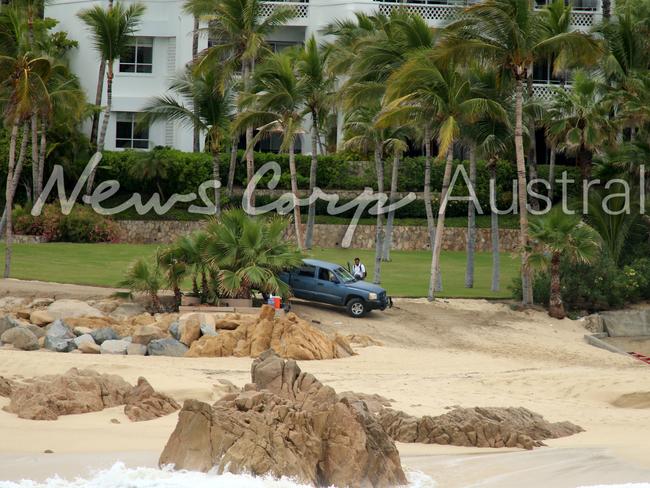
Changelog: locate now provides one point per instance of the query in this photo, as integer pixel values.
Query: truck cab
(330, 283)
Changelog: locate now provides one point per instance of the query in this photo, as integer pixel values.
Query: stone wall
(405, 238)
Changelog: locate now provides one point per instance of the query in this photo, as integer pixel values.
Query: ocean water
(119, 476)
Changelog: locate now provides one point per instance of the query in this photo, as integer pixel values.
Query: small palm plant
(142, 277)
(560, 235)
(174, 269)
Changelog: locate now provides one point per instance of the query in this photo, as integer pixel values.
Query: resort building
(163, 46)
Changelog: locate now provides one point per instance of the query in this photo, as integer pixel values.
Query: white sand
(461, 352)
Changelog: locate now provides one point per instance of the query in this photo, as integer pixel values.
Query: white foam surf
(119, 476)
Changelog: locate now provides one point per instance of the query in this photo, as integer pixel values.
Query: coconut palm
(143, 277)
(559, 235)
(247, 254)
(211, 113)
(171, 261)
(318, 86)
(24, 92)
(110, 31)
(277, 105)
(508, 35)
(239, 29)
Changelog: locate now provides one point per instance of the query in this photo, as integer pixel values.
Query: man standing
(359, 270)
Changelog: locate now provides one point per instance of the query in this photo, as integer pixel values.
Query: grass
(406, 275)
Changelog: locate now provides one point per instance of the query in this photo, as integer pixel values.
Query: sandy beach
(450, 353)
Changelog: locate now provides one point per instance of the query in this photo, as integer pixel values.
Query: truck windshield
(344, 275)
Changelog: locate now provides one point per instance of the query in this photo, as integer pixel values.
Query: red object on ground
(277, 303)
(641, 357)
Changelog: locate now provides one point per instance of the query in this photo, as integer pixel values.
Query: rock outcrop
(144, 403)
(289, 336)
(21, 338)
(287, 423)
(6, 385)
(63, 309)
(478, 427)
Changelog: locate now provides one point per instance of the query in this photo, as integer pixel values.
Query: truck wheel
(356, 307)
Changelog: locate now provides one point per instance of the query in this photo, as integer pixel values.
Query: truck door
(327, 287)
(302, 282)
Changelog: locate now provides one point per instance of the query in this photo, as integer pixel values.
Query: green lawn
(406, 275)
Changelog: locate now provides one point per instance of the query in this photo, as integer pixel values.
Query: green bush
(82, 224)
(592, 287)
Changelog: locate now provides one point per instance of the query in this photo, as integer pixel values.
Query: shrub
(82, 224)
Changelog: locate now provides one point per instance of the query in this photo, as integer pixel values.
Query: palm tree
(579, 120)
(110, 31)
(318, 86)
(23, 86)
(558, 236)
(142, 277)
(277, 104)
(174, 268)
(248, 253)
(211, 113)
(99, 93)
(508, 35)
(239, 29)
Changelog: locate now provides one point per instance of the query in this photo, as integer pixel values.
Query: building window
(138, 56)
(128, 135)
(279, 46)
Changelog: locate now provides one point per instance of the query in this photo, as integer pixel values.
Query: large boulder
(63, 309)
(114, 347)
(20, 338)
(189, 329)
(76, 391)
(136, 350)
(6, 386)
(477, 427)
(144, 334)
(144, 403)
(86, 344)
(8, 322)
(289, 336)
(286, 423)
(40, 317)
(59, 330)
(36, 330)
(104, 334)
(166, 347)
(126, 311)
(59, 344)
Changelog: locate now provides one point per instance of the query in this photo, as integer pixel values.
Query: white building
(163, 46)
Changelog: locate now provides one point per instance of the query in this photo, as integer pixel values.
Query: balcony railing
(300, 7)
(546, 91)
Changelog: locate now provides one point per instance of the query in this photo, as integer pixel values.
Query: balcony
(300, 7)
(584, 14)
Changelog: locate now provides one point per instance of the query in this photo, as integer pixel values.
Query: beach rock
(189, 329)
(167, 347)
(8, 322)
(59, 330)
(86, 344)
(374, 402)
(74, 392)
(174, 330)
(90, 322)
(104, 334)
(59, 344)
(114, 347)
(478, 427)
(23, 314)
(79, 331)
(105, 305)
(142, 319)
(226, 324)
(289, 336)
(62, 309)
(136, 350)
(143, 403)
(36, 330)
(208, 330)
(21, 338)
(144, 334)
(127, 310)
(6, 385)
(11, 303)
(289, 424)
(39, 303)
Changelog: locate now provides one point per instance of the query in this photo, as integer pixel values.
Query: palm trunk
(431, 221)
(205, 289)
(388, 240)
(250, 158)
(195, 51)
(15, 179)
(440, 228)
(379, 235)
(178, 297)
(34, 125)
(494, 231)
(606, 7)
(102, 134)
(313, 171)
(551, 171)
(155, 301)
(216, 175)
(9, 195)
(555, 305)
(41, 158)
(98, 102)
(471, 222)
(294, 189)
(532, 151)
(527, 288)
(233, 165)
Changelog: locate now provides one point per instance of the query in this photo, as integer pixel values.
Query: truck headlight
(372, 296)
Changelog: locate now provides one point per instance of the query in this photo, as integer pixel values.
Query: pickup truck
(324, 282)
